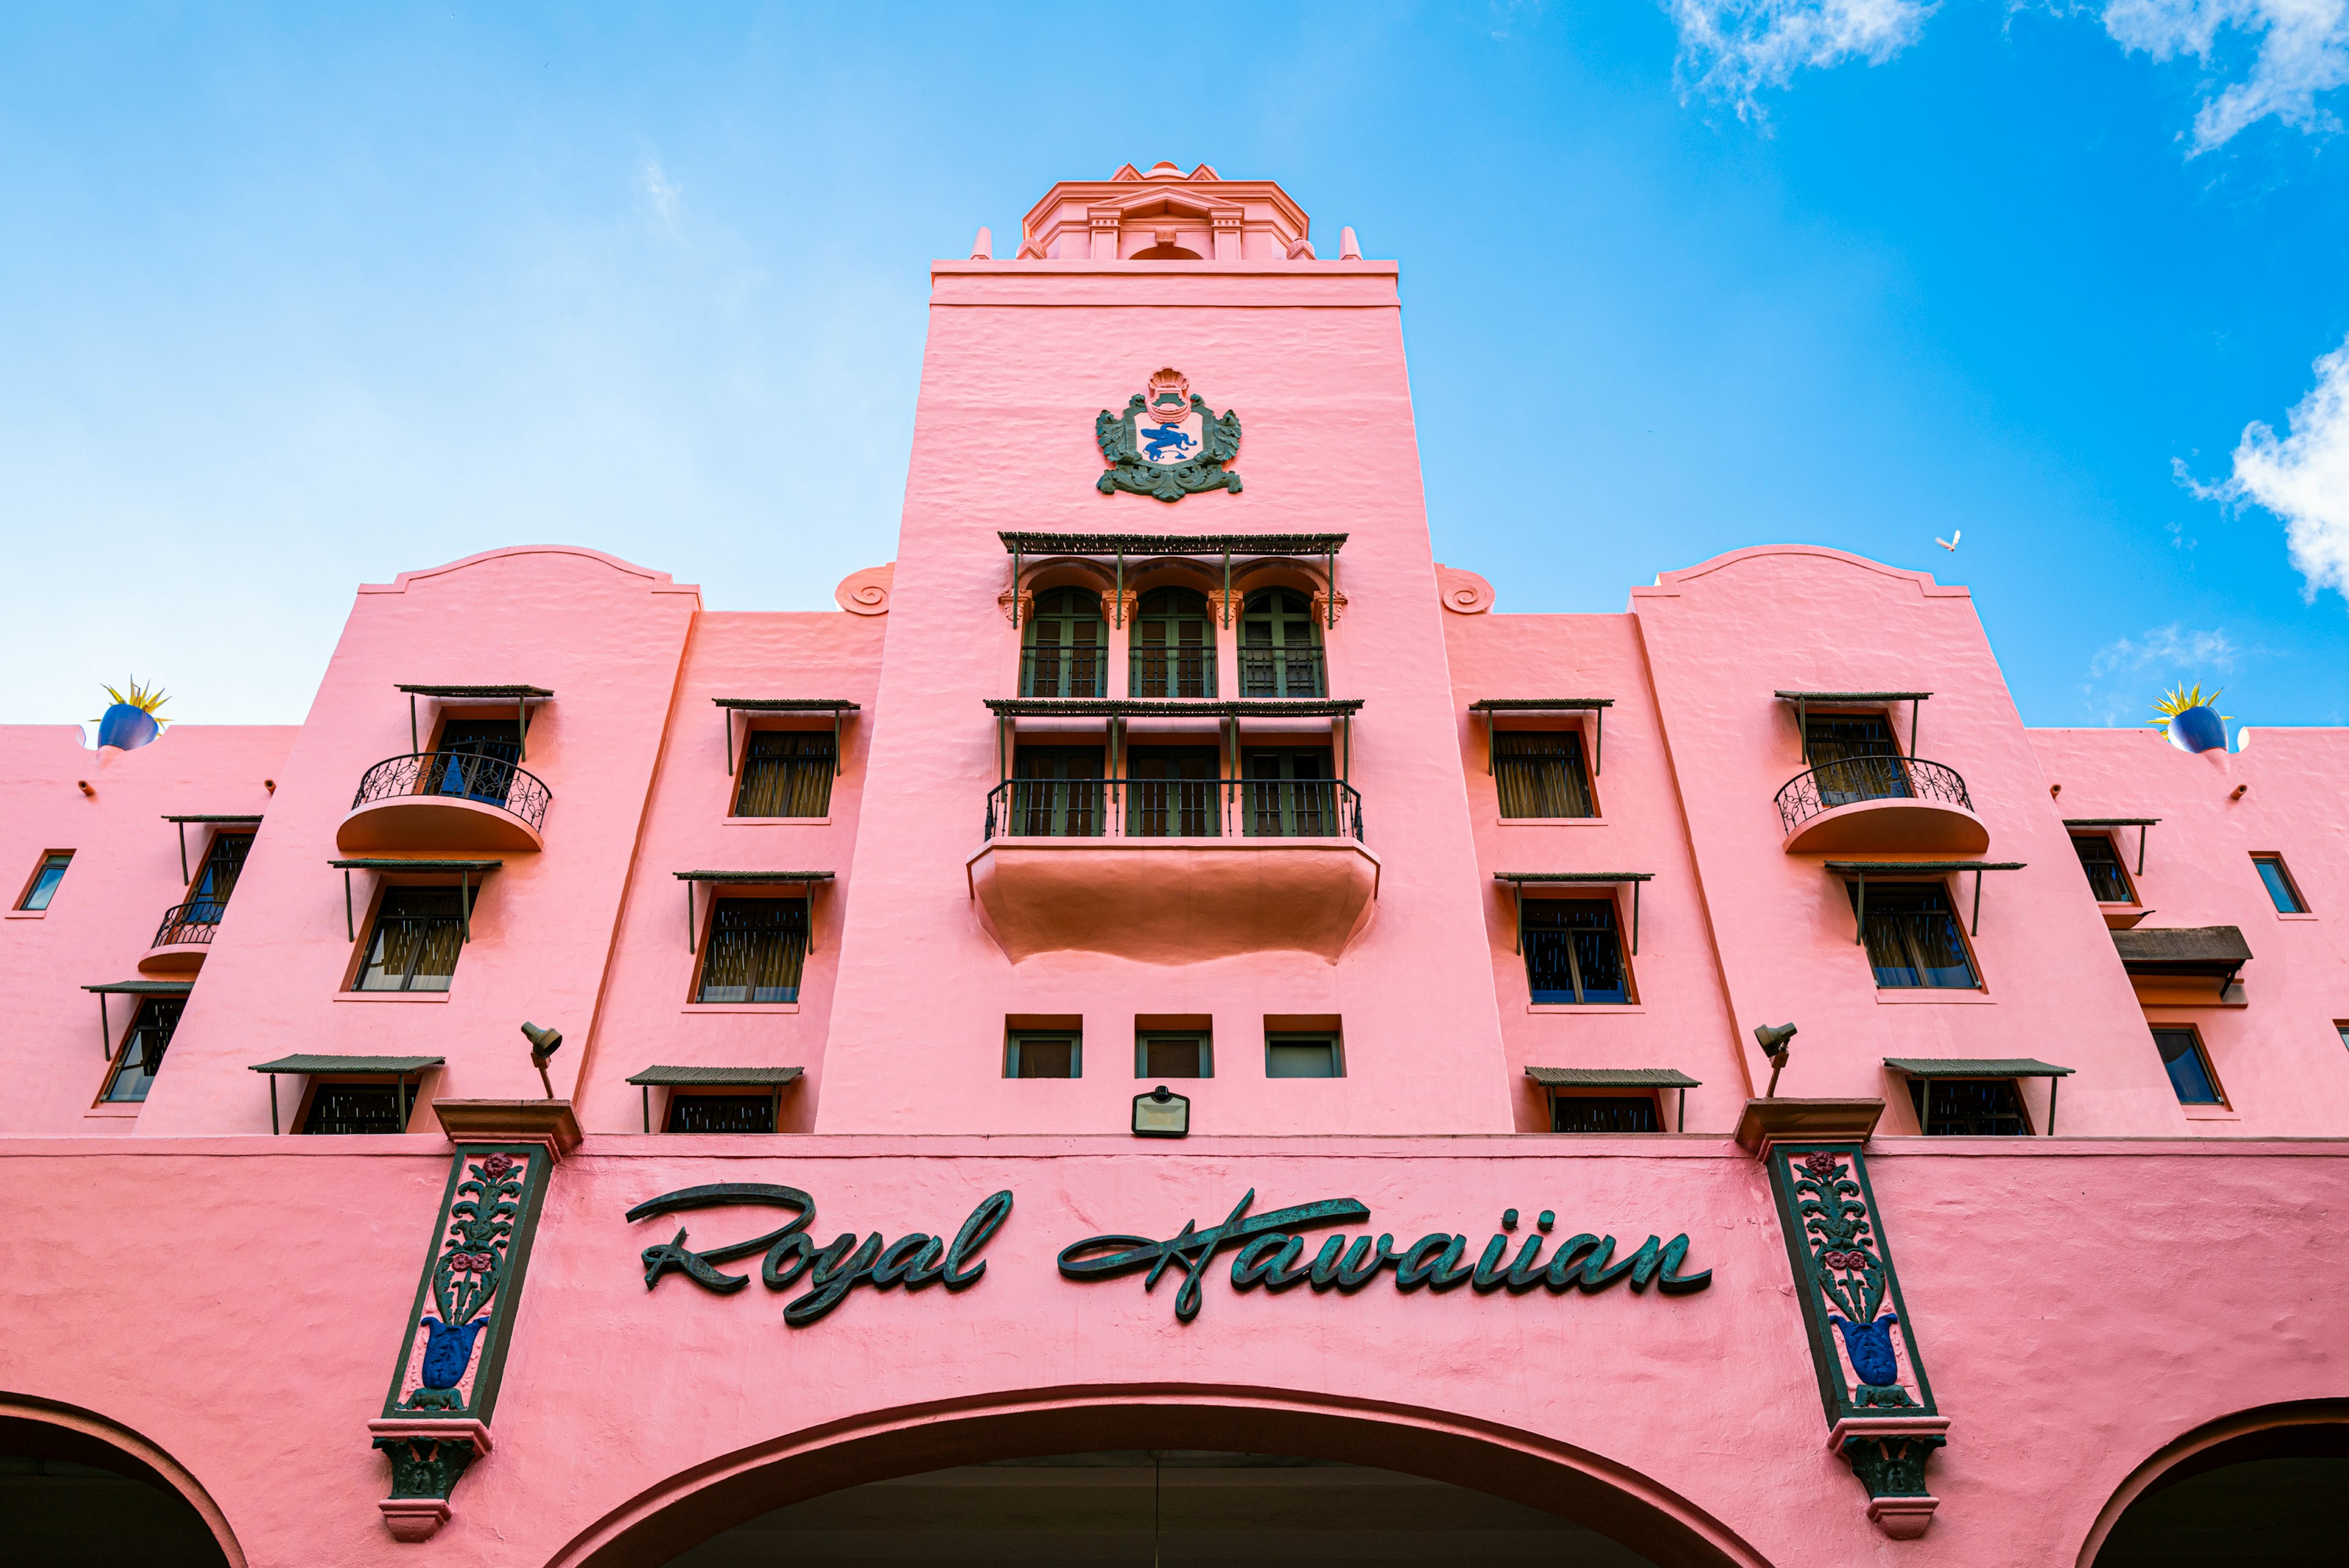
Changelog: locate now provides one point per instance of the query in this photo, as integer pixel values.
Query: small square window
(418, 931)
(2342, 1029)
(134, 1072)
(2188, 1065)
(787, 773)
(1302, 1056)
(2282, 889)
(1160, 1056)
(1968, 1107)
(45, 877)
(1541, 774)
(1604, 1113)
(720, 1114)
(342, 1108)
(1044, 1054)
(1573, 951)
(2106, 876)
(1912, 937)
(756, 949)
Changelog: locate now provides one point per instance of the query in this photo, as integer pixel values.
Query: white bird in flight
(1952, 542)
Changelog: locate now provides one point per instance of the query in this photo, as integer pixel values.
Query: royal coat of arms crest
(1168, 444)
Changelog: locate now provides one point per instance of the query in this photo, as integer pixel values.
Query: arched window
(1062, 651)
(1173, 645)
(1281, 646)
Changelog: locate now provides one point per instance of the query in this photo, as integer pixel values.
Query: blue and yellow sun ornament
(2190, 721)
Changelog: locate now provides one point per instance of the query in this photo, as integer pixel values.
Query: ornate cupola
(1165, 214)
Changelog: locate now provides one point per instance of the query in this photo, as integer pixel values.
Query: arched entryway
(77, 1488)
(2260, 1488)
(1290, 1464)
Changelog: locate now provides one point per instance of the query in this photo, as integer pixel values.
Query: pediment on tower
(1164, 214)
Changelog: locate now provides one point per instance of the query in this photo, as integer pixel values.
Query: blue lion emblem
(1156, 442)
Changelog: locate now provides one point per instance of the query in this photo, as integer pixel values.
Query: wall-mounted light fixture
(1162, 1112)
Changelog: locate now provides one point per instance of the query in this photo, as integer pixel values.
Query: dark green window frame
(1573, 952)
(2100, 859)
(2188, 1062)
(132, 1072)
(1163, 1054)
(414, 940)
(1914, 938)
(1284, 1053)
(1064, 648)
(787, 773)
(46, 876)
(2284, 891)
(755, 951)
(1541, 773)
(1605, 1114)
(1044, 1054)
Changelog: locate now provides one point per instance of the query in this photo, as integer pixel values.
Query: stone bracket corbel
(427, 1459)
(1888, 1453)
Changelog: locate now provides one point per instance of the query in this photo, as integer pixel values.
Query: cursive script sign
(832, 1272)
(1272, 1254)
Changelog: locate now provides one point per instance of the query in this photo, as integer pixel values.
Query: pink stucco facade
(224, 1302)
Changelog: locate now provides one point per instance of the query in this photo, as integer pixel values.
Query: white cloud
(1733, 48)
(2303, 478)
(2299, 48)
(663, 192)
(2164, 648)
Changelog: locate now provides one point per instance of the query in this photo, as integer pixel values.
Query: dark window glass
(1969, 1107)
(223, 865)
(476, 760)
(1301, 1056)
(1057, 793)
(1912, 937)
(1063, 653)
(786, 773)
(2280, 885)
(1539, 772)
(1174, 1056)
(142, 1050)
(756, 949)
(418, 931)
(45, 881)
(721, 1114)
(358, 1108)
(1281, 646)
(1043, 1056)
(1174, 792)
(1173, 648)
(2190, 1069)
(2343, 1031)
(2105, 877)
(1603, 1114)
(1289, 795)
(1855, 759)
(1573, 952)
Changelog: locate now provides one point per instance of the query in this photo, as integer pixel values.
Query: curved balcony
(183, 939)
(445, 800)
(1889, 805)
(1173, 870)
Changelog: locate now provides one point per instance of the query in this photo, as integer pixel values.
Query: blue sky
(293, 298)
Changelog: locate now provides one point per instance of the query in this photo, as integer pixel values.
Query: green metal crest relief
(1168, 444)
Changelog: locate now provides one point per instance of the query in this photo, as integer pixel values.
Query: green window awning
(1611, 1078)
(1975, 1067)
(390, 1066)
(713, 1077)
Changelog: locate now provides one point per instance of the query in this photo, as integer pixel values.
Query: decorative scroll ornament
(867, 592)
(1463, 592)
(436, 1418)
(1168, 444)
(1879, 1406)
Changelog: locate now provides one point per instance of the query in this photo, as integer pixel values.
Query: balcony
(445, 800)
(1173, 870)
(1880, 804)
(1282, 672)
(183, 937)
(1081, 670)
(1177, 672)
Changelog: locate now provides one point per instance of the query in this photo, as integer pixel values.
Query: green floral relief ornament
(1168, 444)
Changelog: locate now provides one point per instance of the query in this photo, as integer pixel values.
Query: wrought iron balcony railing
(191, 922)
(1082, 670)
(1282, 672)
(459, 775)
(1170, 672)
(1174, 808)
(1855, 779)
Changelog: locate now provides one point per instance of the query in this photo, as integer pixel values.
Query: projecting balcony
(1282, 672)
(1173, 870)
(1880, 804)
(183, 939)
(445, 800)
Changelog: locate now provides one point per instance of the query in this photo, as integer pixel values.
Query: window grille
(414, 946)
(2107, 876)
(787, 773)
(721, 1114)
(1573, 951)
(352, 1108)
(1604, 1113)
(757, 948)
(1969, 1107)
(1540, 772)
(133, 1073)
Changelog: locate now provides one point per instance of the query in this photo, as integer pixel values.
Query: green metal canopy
(1612, 1078)
(398, 1068)
(698, 1077)
(1975, 1067)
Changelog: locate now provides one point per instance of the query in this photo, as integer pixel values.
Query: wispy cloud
(1732, 49)
(2118, 687)
(662, 192)
(2303, 478)
(2299, 48)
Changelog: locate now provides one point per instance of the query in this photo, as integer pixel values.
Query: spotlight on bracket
(543, 1044)
(1773, 1038)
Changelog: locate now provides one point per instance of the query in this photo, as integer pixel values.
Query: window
(1044, 1054)
(1912, 937)
(477, 758)
(2280, 887)
(720, 1114)
(786, 773)
(418, 931)
(133, 1073)
(1573, 951)
(223, 865)
(2341, 1029)
(1174, 652)
(1057, 793)
(1855, 759)
(2189, 1066)
(1604, 1113)
(755, 951)
(1968, 1107)
(1291, 795)
(1064, 655)
(2107, 877)
(1173, 1055)
(1281, 646)
(1540, 772)
(340, 1108)
(45, 877)
(1174, 792)
(1302, 1056)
